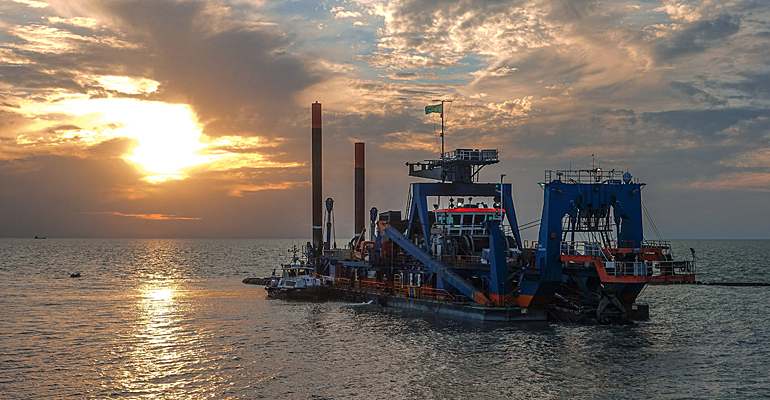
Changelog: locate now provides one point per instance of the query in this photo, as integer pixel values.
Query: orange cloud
(237, 190)
(749, 181)
(155, 217)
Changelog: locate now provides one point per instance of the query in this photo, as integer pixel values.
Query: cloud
(618, 113)
(122, 84)
(744, 181)
(656, 87)
(154, 217)
(704, 123)
(32, 3)
(753, 85)
(442, 36)
(347, 14)
(410, 76)
(46, 39)
(234, 77)
(699, 37)
(240, 189)
(697, 95)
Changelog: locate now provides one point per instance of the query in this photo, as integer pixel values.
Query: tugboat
(298, 281)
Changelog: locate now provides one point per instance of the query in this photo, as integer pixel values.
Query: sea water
(171, 319)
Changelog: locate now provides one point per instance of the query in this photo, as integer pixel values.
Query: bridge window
(455, 220)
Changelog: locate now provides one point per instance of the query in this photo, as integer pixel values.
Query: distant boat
(39, 237)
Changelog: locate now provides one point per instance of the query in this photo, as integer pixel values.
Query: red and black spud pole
(360, 188)
(317, 182)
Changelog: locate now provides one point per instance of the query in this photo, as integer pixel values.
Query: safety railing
(398, 289)
(372, 284)
(472, 155)
(459, 261)
(439, 294)
(626, 268)
(596, 175)
(657, 244)
(580, 248)
(679, 267)
(342, 281)
(459, 230)
(650, 268)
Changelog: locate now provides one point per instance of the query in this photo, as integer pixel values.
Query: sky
(160, 118)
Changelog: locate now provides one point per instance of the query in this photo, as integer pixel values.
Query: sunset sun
(168, 136)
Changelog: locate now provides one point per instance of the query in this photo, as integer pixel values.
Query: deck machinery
(592, 257)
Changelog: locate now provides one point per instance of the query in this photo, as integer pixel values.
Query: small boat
(39, 237)
(298, 281)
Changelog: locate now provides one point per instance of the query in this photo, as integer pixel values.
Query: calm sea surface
(171, 319)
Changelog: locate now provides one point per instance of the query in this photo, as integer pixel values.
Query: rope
(652, 223)
(530, 224)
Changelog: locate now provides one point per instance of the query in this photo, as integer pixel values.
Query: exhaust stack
(317, 181)
(360, 189)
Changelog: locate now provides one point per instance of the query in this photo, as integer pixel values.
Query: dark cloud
(618, 113)
(754, 85)
(699, 37)
(236, 78)
(34, 77)
(703, 123)
(696, 95)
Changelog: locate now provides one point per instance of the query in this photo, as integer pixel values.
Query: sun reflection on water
(163, 350)
(164, 294)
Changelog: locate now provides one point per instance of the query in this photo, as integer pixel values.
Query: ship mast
(443, 157)
(443, 162)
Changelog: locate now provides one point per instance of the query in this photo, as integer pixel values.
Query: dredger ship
(457, 249)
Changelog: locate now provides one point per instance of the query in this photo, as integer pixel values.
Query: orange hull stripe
(523, 300)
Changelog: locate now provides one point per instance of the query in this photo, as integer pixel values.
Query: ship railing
(657, 244)
(596, 175)
(342, 281)
(675, 267)
(472, 155)
(372, 284)
(458, 261)
(649, 268)
(458, 230)
(580, 248)
(438, 294)
(626, 268)
(423, 292)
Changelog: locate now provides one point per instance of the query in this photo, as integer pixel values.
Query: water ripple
(170, 319)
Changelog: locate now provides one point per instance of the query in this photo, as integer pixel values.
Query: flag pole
(443, 163)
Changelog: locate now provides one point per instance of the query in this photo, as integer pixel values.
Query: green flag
(438, 108)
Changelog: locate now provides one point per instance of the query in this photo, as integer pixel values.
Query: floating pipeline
(713, 283)
(256, 281)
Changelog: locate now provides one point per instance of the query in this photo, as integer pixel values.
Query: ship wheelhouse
(460, 231)
(464, 221)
